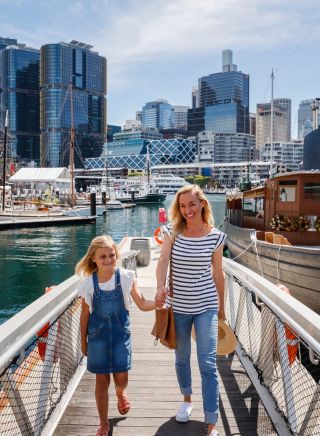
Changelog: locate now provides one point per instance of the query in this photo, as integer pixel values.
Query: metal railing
(41, 361)
(279, 345)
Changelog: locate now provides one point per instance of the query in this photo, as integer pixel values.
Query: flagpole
(4, 161)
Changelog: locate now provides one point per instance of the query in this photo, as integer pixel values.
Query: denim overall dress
(109, 339)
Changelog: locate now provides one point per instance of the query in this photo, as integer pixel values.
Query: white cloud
(131, 33)
(145, 31)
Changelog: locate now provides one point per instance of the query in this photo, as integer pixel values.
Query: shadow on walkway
(174, 428)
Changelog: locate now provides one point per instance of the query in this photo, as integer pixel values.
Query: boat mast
(71, 157)
(271, 127)
(4, 161)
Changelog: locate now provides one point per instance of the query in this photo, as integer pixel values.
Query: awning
(255, 193)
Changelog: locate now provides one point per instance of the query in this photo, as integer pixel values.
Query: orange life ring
(42, 336)
(157, 233)
(292, 345)
(291, 337)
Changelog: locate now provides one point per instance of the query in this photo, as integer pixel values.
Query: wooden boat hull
(297, 267)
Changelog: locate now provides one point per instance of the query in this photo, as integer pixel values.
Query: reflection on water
(31, 259)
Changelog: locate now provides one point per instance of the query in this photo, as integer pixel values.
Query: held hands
(161, 297)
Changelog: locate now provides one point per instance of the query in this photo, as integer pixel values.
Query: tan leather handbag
(164, 328)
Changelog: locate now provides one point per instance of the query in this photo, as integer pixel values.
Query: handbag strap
(170, 280)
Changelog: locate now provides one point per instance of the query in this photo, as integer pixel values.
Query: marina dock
(154, 393)
(7, 222)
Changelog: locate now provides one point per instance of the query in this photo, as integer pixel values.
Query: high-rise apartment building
(157, 114)
(305, 118)
(73, 81)
(19, 94)
(226, 147)
(223, 101)
(263, 124)
(289, 154)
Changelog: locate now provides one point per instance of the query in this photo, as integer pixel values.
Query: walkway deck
(154, 393)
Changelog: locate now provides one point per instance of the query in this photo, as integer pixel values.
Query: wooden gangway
(154, 394)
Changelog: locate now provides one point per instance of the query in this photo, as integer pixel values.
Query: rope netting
(283, 361)
(34, 382)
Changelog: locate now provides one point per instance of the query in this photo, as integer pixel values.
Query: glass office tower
(73, 81)
(19, 93)
(224, 99)
(158, 114)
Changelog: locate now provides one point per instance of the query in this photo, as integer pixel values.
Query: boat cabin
(288, 203)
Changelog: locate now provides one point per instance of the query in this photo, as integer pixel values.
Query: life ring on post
(42, 336)
(292, 344)
(158, 235)
(291, 338)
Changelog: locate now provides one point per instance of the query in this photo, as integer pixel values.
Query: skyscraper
(157, 114)
(19, 93)
(73, 94)
(263, 124)
(305, 118)
(286, 104)
(224, 99)
(181, 117)
(7, 41)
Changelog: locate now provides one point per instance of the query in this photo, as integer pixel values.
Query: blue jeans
(206, 328)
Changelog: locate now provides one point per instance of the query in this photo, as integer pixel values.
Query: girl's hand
(84, 348)
(161, 297)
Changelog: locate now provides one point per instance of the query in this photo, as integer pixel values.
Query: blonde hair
(178, 221)
(86, 266)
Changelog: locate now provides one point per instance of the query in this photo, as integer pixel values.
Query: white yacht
(168, 183)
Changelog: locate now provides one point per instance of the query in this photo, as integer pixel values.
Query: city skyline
(160, 49)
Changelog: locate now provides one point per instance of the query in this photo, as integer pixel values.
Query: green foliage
(198, 180)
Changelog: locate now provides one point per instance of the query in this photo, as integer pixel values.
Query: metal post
(4, 162)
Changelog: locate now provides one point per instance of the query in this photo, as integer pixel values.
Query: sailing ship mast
(71, 152)
(271, 127)
(4, 161)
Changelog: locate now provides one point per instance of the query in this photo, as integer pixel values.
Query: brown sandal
(123, 405)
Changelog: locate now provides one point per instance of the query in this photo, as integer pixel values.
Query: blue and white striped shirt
(194, 290)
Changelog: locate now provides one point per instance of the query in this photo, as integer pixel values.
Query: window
(287, 190)
(311, 190)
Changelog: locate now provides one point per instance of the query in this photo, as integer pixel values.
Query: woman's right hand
(161, 297)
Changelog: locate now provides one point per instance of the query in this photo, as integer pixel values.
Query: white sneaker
(184, 412)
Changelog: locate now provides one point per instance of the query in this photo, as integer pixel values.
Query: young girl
(106, 293)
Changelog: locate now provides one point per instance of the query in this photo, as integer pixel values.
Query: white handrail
(304, 321)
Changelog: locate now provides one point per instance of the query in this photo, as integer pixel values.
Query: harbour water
(31, 259)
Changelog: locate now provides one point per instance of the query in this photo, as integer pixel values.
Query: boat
(215, 191)
(274, 230)
(168, 183)
(133, 190)
(146, 194)
(117, 205)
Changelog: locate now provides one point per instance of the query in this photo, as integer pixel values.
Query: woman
(195, 247)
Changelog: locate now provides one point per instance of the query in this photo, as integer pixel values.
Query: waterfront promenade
(154, 393)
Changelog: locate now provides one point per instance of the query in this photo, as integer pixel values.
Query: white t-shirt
(86, 288)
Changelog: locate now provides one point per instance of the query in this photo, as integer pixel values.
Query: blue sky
(159, 48)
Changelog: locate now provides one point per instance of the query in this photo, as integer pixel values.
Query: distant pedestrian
(106, 293)
(194, 248)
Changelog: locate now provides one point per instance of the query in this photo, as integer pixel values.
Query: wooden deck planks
(154, 394)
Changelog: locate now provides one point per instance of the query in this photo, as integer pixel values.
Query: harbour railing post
(93, 209)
